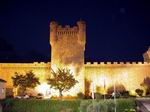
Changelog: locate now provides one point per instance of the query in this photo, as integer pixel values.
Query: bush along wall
(79, 105)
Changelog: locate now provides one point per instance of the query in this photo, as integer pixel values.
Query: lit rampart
(7, 70)
(129, 74)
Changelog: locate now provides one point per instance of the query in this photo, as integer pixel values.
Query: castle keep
(67, 44)
(67, 50)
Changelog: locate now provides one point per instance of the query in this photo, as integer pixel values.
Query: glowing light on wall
(93, 90)
(133, 93)
(103, 81)
(125, 75)
(54, 67)
(72, 69)
(44, 88)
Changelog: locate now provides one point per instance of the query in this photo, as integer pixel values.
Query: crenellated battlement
(115, 63)
(59, 32)
(67, 30)
(48, 64)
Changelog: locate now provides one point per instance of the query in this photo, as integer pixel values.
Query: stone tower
(146, 55)
(67, 47)
(67, 44)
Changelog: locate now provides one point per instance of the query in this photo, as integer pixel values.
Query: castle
(67, 50)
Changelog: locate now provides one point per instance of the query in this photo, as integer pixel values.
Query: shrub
(107, 96)
(125, 94)
(117, 95)
(80, 95)
(9, 92)
(39, 96)
(123, 104)
(139, 92)
(88, 97)
(98, 96)
(119, 88)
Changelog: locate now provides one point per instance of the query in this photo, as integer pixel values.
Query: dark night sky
(117, 30)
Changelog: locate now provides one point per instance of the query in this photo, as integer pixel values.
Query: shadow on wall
(87, 87)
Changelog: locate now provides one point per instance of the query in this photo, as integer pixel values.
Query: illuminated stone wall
(7, 70)
(131, 75)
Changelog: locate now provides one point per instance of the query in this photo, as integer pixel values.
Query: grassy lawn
(34, 105)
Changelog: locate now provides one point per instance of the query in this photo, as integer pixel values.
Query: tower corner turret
(81, 32)
(53, 32)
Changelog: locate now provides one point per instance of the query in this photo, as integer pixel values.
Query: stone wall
(131, 75)
(7, 70)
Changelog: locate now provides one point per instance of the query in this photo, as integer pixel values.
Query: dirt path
(143, 104)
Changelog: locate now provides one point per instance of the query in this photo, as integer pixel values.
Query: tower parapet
(53, 32)
(67, 31)
(78, 32)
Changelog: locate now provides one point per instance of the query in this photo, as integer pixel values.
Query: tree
(31, 80)
(62, 80)
(25, 81)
